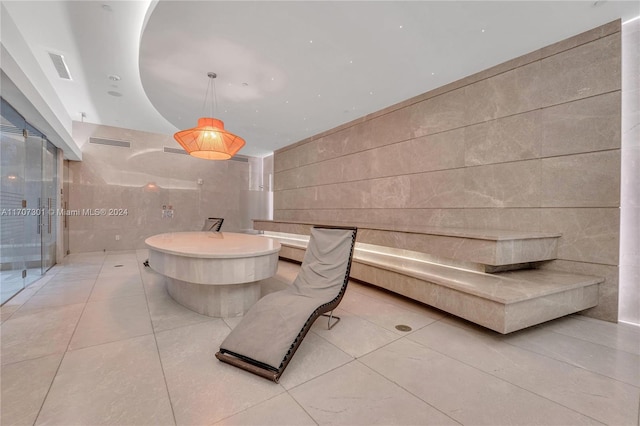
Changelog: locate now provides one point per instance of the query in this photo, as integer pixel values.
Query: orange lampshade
(209, 140)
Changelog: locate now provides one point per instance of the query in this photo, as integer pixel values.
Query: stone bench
(486, 277)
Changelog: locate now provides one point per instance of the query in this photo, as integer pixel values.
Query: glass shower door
(12, 181)
(33, 195)
(49, 205)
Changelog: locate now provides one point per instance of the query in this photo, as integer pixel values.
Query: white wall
(630, 188)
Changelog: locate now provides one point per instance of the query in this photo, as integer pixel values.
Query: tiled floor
(99, 341)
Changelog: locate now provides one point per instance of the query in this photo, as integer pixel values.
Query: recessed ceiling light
(433, 73)
(113, 77)
(371, 93)
(483, 30)
(400, 26)
(114, 93)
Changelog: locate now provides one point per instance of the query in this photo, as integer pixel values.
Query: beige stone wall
(111, 177)
(531, 144)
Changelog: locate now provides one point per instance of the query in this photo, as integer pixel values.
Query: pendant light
(209, 140)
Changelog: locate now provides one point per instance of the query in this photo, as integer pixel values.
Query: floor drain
(402, 327)
(118, 266)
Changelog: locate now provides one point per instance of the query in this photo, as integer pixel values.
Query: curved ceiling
(286, 70)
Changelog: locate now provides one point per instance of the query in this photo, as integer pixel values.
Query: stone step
(486, 250)
(504, 302)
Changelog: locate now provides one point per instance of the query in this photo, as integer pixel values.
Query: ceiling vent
(175, 150)
(60, 65)
(239, 158)
(110, 142)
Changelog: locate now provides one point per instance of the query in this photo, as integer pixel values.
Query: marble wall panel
(505, 94)
(503, 185)
(583, 180)
(285, 160)
(440, 189)
(448, 218)
(512, 219)
(506, 139)
(346, 195)
(586, 125)
(588, 235)
(439, 114)
(525, 145)
(582, 38)
(334, 145)
(439, 151)
(587, 70)
(389, 128)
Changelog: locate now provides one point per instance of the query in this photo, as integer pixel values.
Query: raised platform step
(504, 302)
(489, 250)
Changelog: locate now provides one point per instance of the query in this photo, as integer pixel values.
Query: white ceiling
(286, 70)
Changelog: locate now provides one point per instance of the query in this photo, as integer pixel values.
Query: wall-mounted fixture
(209, 140)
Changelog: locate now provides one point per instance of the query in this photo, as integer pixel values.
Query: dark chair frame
(216, 226)
(271, 373)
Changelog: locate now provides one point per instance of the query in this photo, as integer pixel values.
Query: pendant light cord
(211, 88)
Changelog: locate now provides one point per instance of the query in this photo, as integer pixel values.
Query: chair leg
(331, 316)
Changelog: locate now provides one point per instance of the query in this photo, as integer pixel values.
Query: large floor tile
(466, 394)
(204, 390)
(6, 312)
(52, 295)
(315, 356)
(59, 285)
(16, 302)
(72, 272)
(42, 333)
(24, 387)
(602, 398)
(623, 337)
(354, 335)
(281, 410)
(118, 383)
(619, 365)
(108, 288)
(167, 314)
(111, 320)
(355, 395)
(385, 314)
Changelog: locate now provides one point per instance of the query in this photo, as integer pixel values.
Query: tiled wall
(531, 144)
(142, 179)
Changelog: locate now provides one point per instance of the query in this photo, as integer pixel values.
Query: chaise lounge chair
(271, 331)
